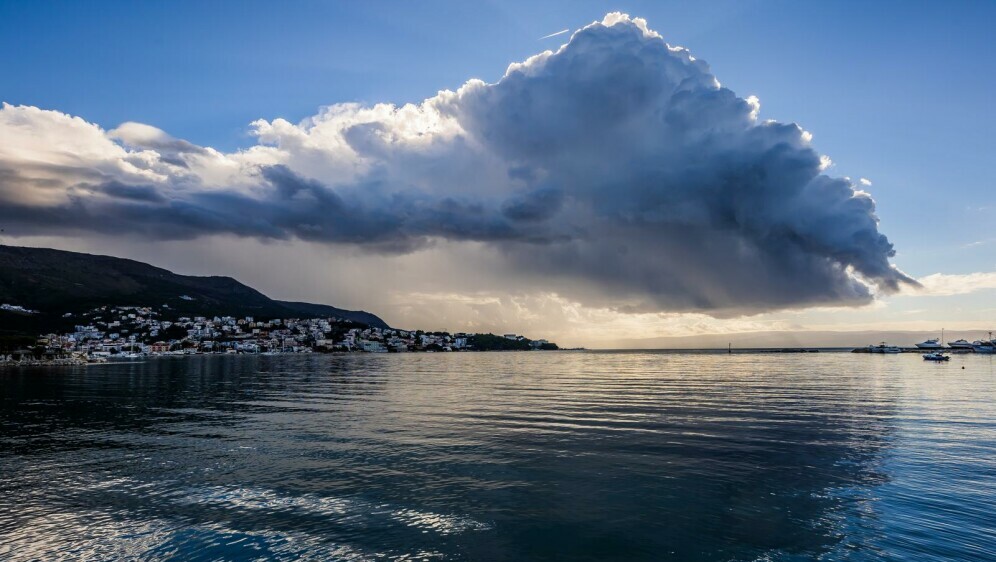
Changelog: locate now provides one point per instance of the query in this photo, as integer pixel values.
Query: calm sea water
(502, 456)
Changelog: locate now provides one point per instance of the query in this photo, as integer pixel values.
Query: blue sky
(897, 92)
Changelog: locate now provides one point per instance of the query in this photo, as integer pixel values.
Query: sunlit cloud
(947, 284)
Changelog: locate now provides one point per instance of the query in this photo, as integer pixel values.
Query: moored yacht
(959, 344)
(883, 348)
(930, 344)
(987, 347)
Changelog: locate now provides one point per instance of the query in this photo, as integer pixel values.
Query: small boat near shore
(935, 356)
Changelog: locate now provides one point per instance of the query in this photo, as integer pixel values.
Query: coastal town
(129, 332)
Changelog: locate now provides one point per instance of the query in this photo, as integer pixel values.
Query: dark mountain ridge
(54, 282)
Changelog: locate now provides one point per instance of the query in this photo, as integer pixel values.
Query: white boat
(930, 344)
(959, 344)
(935, 356)
(883, 348)
(984, 346)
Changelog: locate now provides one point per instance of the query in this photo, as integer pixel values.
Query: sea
(586, 455)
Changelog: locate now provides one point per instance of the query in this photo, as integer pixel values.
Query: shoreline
(82, 362)
(74, 362)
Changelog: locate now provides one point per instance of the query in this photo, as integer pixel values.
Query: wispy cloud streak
(561, 32)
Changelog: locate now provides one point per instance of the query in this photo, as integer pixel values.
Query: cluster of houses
(17, 308)
(130, 331)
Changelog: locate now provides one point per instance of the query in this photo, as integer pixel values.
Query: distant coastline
(785, 339)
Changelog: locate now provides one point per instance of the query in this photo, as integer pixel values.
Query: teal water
(501, 456)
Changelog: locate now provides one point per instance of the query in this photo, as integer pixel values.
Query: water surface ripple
(501, 456)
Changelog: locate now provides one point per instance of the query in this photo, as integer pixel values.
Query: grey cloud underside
(633, 181)
(293, 207)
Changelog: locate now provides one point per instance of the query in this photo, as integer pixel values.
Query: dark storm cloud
(537, 205)
(134, 192)
(627, 177)
(294, 207)
(689, 202)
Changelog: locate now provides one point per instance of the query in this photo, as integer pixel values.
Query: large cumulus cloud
(617, 170)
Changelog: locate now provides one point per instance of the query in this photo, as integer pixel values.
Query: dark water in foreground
(514, 456)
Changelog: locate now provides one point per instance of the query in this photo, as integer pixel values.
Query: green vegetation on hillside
(491, 342)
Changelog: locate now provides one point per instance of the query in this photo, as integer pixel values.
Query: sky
(575, 196)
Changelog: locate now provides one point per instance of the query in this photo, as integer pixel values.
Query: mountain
(309, 310)
(54, 282)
